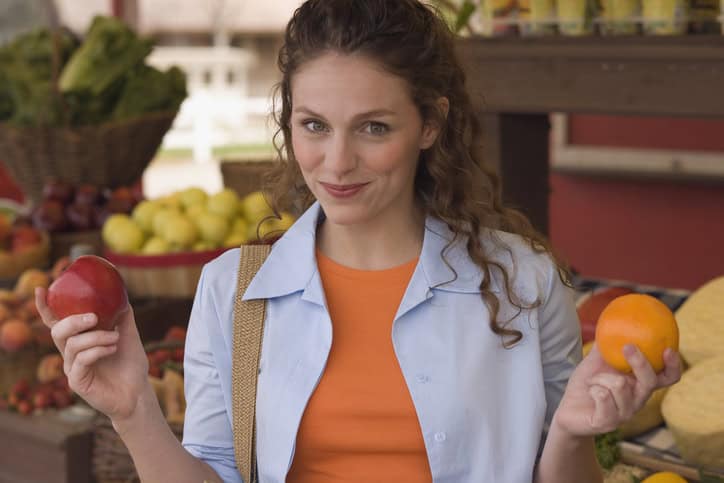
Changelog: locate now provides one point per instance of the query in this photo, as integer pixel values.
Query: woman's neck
(382, 243)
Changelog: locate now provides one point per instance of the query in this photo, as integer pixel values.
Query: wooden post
(517, 146)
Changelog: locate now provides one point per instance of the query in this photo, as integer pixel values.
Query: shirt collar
(291, 265)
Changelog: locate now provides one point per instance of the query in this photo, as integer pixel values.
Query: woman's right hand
(107, 368)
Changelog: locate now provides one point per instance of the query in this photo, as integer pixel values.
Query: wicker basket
(111, 462)
(173, 275)
(111, 154)
(245, 177)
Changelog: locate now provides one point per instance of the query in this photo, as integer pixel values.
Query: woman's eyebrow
(372, 113)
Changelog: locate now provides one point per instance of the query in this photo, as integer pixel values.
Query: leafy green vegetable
(607, 451)
(466, 11)
(147, 89)
(103, 79)
(108, 52)
(26, 72)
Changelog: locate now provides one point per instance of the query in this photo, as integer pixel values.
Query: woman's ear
(431, 129)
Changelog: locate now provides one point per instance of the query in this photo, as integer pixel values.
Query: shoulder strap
(247, 335)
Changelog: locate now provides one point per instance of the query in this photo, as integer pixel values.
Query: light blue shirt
(482, 408)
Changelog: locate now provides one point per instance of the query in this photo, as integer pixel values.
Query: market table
(53, 447)
(516, 82)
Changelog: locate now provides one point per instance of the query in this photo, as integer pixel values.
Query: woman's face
(357, 137)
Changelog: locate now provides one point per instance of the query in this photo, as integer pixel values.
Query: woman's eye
(376, 128)
(314, 126)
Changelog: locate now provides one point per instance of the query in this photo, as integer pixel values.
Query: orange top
(360, 424)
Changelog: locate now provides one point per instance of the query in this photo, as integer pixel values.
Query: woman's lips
(343, 190)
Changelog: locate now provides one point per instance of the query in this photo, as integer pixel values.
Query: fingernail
(88, 318)
(629, 350)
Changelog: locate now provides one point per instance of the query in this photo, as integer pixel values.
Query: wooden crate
(44, 448)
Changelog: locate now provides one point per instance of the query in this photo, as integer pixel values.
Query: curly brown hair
(410, 40)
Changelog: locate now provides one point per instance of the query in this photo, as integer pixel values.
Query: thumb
(127, 323)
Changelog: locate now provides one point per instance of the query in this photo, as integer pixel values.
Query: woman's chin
(345, 214)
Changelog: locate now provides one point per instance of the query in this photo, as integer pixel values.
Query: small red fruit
(25, 408)
(90, 284)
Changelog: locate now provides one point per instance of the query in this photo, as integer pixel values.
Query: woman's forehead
(357, 82)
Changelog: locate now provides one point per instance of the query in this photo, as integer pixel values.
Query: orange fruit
(664, 477)
(638, 319)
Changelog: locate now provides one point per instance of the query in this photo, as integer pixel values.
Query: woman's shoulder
(221, 269)
(531, 268)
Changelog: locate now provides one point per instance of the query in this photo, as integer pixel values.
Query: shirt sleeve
(207, 428)
(560, 340)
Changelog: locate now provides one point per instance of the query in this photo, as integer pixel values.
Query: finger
(46, 314)
(672, 369)
(605, 412)
(646, 379)
(620, 390)
(81, 369)
(70, 326)
(85, 341)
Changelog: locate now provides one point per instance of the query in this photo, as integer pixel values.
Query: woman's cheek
(306, 153)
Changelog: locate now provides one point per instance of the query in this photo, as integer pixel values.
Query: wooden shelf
(516, 82)
(673, 76)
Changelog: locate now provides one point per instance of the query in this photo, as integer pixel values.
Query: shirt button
(422, 378)
(440, 437)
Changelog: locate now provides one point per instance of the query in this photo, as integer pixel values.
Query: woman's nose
(340, 157)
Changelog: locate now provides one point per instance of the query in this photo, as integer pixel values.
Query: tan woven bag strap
(247, 333)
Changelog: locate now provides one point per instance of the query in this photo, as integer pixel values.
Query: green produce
(148, 89)
(26, 77)
(607, 451)
(103, 79)
(109, 51)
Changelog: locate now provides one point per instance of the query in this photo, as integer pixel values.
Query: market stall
(78, 140)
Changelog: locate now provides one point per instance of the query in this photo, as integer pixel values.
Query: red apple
(80, 216)
(24, 237)
(591, 307)
(50, 216)
(137, 191)
(90, 284)
(101, 214)
(120, 205)
(87, 194)
(61, 191)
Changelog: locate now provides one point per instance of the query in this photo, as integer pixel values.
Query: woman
(415, 331)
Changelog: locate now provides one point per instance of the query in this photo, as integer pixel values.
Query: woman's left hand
(598, 398)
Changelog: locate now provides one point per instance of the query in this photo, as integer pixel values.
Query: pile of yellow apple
(192, 220)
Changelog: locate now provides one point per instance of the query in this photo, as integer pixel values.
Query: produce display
(68, 208)
(701, 319)
(17, 237)
(694, 412)
(103, 78)
(20, 324)
(192, 220)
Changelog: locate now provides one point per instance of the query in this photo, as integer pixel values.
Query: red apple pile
(90, 284)
(68, 208)
(25, 397)
(168, 353)
(16, 238)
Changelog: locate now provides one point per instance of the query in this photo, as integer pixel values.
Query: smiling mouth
(343, 190)
(342, 187)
